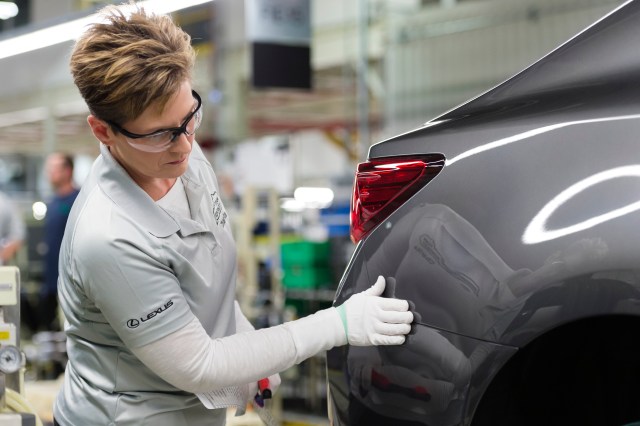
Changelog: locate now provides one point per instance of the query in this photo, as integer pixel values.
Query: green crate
(306, 277)
(305, 254)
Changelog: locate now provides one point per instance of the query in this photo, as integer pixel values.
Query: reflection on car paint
(531, 133)
(426, 247)
(425, 381)
(474, 292)
(537, 231)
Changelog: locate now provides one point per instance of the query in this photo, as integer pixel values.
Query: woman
(147, 264)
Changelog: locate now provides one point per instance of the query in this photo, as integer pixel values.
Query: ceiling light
(318, 198)
(39, 210)
(291, 205)
(8, 10)
(73, 29)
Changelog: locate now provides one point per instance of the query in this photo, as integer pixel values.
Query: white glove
(371, 320)
(365, 319)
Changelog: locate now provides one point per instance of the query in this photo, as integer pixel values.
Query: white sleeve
(242, 323)
(190, 360)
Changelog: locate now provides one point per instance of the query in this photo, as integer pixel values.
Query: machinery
(15, 410)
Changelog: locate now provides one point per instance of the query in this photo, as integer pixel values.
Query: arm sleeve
(242, 323)
(190, 360)
(11, 223)
(18, 228)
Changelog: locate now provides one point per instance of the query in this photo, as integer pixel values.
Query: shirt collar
(124, 192)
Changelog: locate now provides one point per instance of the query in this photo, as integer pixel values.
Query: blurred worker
(148, 262)
(59, 171)
(12, 230)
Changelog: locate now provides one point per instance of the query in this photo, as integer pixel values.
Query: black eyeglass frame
(176, 131)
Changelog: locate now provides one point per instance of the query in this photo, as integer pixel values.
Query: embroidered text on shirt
(218, 210)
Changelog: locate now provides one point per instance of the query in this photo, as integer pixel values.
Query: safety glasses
(160, 140)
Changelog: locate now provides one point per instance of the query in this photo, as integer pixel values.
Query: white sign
(279, 21)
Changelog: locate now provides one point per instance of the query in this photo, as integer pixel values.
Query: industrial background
(284, 143)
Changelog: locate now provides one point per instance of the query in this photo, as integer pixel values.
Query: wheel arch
(582, 372)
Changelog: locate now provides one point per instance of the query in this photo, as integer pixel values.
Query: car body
(517, 252)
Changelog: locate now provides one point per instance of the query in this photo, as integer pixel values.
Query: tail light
(384, 184)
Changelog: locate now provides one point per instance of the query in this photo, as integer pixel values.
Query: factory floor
(41, 394)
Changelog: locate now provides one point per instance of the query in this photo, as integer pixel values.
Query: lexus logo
(135, 322)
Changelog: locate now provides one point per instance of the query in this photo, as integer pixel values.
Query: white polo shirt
(130, 274)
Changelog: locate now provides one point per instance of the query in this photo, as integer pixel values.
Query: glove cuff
(343, 317)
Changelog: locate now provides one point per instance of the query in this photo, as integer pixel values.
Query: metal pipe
(362, 72)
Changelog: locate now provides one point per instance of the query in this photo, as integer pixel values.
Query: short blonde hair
(127, 63)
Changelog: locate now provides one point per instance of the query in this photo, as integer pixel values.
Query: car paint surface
(530, 225)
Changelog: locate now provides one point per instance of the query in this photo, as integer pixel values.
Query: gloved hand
(371, 320)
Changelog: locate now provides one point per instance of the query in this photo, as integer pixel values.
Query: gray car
(510, 225)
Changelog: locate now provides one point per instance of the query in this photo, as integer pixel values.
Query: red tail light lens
(384, 184)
